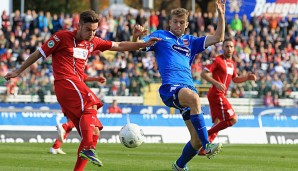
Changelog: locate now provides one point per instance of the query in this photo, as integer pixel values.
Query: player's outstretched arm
(220, 29)
(91, 79)
(128, 46)
(29, 61)
(241, 79)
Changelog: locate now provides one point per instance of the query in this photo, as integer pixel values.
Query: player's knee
(234, 121)
(96, 131)
(194, 101)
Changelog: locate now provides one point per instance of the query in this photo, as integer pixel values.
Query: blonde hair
(179, 12)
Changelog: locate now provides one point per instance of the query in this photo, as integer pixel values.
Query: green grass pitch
(149, 157)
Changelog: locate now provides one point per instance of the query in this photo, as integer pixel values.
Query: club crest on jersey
(182, 50)
(185, 42)
(51, 43)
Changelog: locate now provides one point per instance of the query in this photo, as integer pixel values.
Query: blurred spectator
(266, 46)
(163, 20)
(236, 23)
(114, 108)
(153, 21)
(5, 20)
(268, 100)
(141, 18)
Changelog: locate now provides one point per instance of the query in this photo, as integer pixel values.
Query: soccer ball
(131, 135)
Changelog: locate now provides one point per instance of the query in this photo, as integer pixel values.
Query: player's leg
(63, 131)
(89, 126)
(223, 115)
(211, 137)
(191, 99)
(190, 149)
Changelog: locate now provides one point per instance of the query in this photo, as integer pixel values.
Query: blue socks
(199, 124)
(187, 154)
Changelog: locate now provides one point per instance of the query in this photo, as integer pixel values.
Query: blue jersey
(174, 55)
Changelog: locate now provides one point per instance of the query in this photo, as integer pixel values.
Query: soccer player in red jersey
(69, 51)
(114, 108)
(223, 70)
(65, 128)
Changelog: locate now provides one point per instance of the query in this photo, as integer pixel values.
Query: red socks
(68, 126)
(88, 139)
(218, 127)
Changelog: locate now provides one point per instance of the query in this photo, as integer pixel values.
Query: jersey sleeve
(146, 38)
(85, 76)
(102, 45)
(211, 67)
(52, 45)
(235, 71)
(198, 44)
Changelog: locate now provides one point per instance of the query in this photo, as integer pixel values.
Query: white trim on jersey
(222, 109)
(81, 97)
(113, 44)
(42, 52)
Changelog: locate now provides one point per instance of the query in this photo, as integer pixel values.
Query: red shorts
(74, 97)
(220, 107)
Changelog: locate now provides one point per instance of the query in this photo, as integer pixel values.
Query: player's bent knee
(96, 131)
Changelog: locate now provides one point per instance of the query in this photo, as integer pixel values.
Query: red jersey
(69, 55)
(114, 110)
(223, 70)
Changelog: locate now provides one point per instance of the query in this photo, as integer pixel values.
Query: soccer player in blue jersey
(174, 56)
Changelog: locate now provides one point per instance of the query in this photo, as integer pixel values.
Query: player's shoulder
(62, 34)
(217, 58)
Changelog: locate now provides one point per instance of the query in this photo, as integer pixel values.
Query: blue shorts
(169, 96)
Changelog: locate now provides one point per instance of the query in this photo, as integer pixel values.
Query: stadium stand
(261, 48)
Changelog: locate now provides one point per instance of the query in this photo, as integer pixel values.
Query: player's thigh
(189, 98)
(221, 108)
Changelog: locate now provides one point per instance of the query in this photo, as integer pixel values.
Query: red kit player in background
(223, 70)
(69, 51)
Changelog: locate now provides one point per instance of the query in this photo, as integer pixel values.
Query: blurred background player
(174, 56)
(65, 128)
(70, 51)
(223, 70)
(114, 108)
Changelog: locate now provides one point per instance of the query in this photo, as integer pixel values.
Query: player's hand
(152, 41)
(102, 79)
(252, 77)
(139, 31)
(221, 87)
(221, 6)
(10, 75)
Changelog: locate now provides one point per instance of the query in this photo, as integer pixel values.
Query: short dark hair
(179, 12)
(89, 16)
(228, 39)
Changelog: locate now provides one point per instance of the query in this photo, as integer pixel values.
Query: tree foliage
(54, 6)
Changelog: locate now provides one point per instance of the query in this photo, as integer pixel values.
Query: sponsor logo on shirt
(51, 43)
(182, 50)
(80, 53)
(56, 38)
